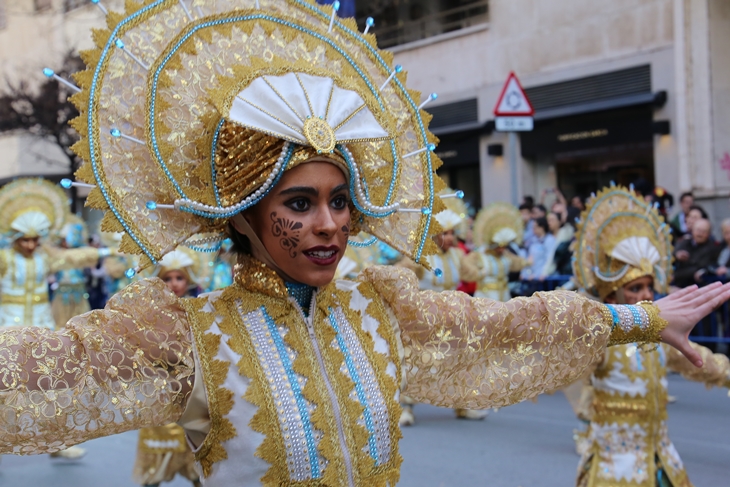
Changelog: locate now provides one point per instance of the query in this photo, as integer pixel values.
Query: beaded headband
(169, 76)
(620, 238)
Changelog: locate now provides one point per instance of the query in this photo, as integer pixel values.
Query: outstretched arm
(121, 368)
(715, 370)
(478, 353)
(65, 259)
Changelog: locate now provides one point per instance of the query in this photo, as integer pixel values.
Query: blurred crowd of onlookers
(699, 258)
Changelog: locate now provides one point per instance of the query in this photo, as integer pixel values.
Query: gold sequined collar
(255, 276)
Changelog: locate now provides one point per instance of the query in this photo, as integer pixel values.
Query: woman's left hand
(684, 309)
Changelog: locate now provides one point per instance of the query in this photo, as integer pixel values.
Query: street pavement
(526, 445)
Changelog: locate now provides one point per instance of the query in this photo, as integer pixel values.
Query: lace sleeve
(121, 368)
(478, 353)
(715, 370)
(65, 259)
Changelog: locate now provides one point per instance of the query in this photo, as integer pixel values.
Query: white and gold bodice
(24, 290)
(628, 430)
(270, 395)
(311, 399)
(449, 263)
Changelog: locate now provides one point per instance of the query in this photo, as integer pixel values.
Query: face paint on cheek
(346, 229)
(288, 233)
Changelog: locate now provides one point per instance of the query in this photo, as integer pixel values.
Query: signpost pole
(513, 169)
(513, 113)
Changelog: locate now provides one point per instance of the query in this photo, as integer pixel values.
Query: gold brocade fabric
(479, 353)
(121, 368)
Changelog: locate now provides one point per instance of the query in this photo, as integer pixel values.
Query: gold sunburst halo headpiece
(498, 224)
(190, 114)
(32, 207)
(620, 238)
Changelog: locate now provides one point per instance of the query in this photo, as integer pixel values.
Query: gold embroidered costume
(274, 382)
(495, 228)
(622, 238)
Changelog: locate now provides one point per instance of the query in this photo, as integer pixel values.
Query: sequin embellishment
(293, 411)
(367, 387)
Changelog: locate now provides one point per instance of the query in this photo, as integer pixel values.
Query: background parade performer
(33, 211)
(495, 228)
(623, 254)
(163, 451)
(285, 125)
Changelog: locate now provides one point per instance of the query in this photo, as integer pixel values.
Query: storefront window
(402, 21)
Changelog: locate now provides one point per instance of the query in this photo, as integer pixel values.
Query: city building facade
(624, 91)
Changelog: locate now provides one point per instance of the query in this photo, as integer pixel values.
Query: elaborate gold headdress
(190, 113)
(620, 238)
(498, 224)
(32, 207)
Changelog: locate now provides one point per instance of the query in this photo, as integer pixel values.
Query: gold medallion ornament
(191, 112)
(319, 134)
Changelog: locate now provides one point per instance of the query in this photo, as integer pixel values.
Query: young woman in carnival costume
(285, 122)
(163, 451)
(496, 227)
(69, 289)
(623, 254)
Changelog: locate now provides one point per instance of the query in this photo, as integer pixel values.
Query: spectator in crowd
(526, 215)
(577, 202)
(679, 222)
(539, 211)
(538, 251)
(723, 260)
(696, 255)
(564, 235)
(528, 200)
(696, 213)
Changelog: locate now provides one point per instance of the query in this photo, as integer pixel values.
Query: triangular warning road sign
(513, 100)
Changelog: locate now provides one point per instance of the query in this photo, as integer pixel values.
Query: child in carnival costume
(623, 254)
(282, 124)
(70, 297)
(163, 451)
(496, 227)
